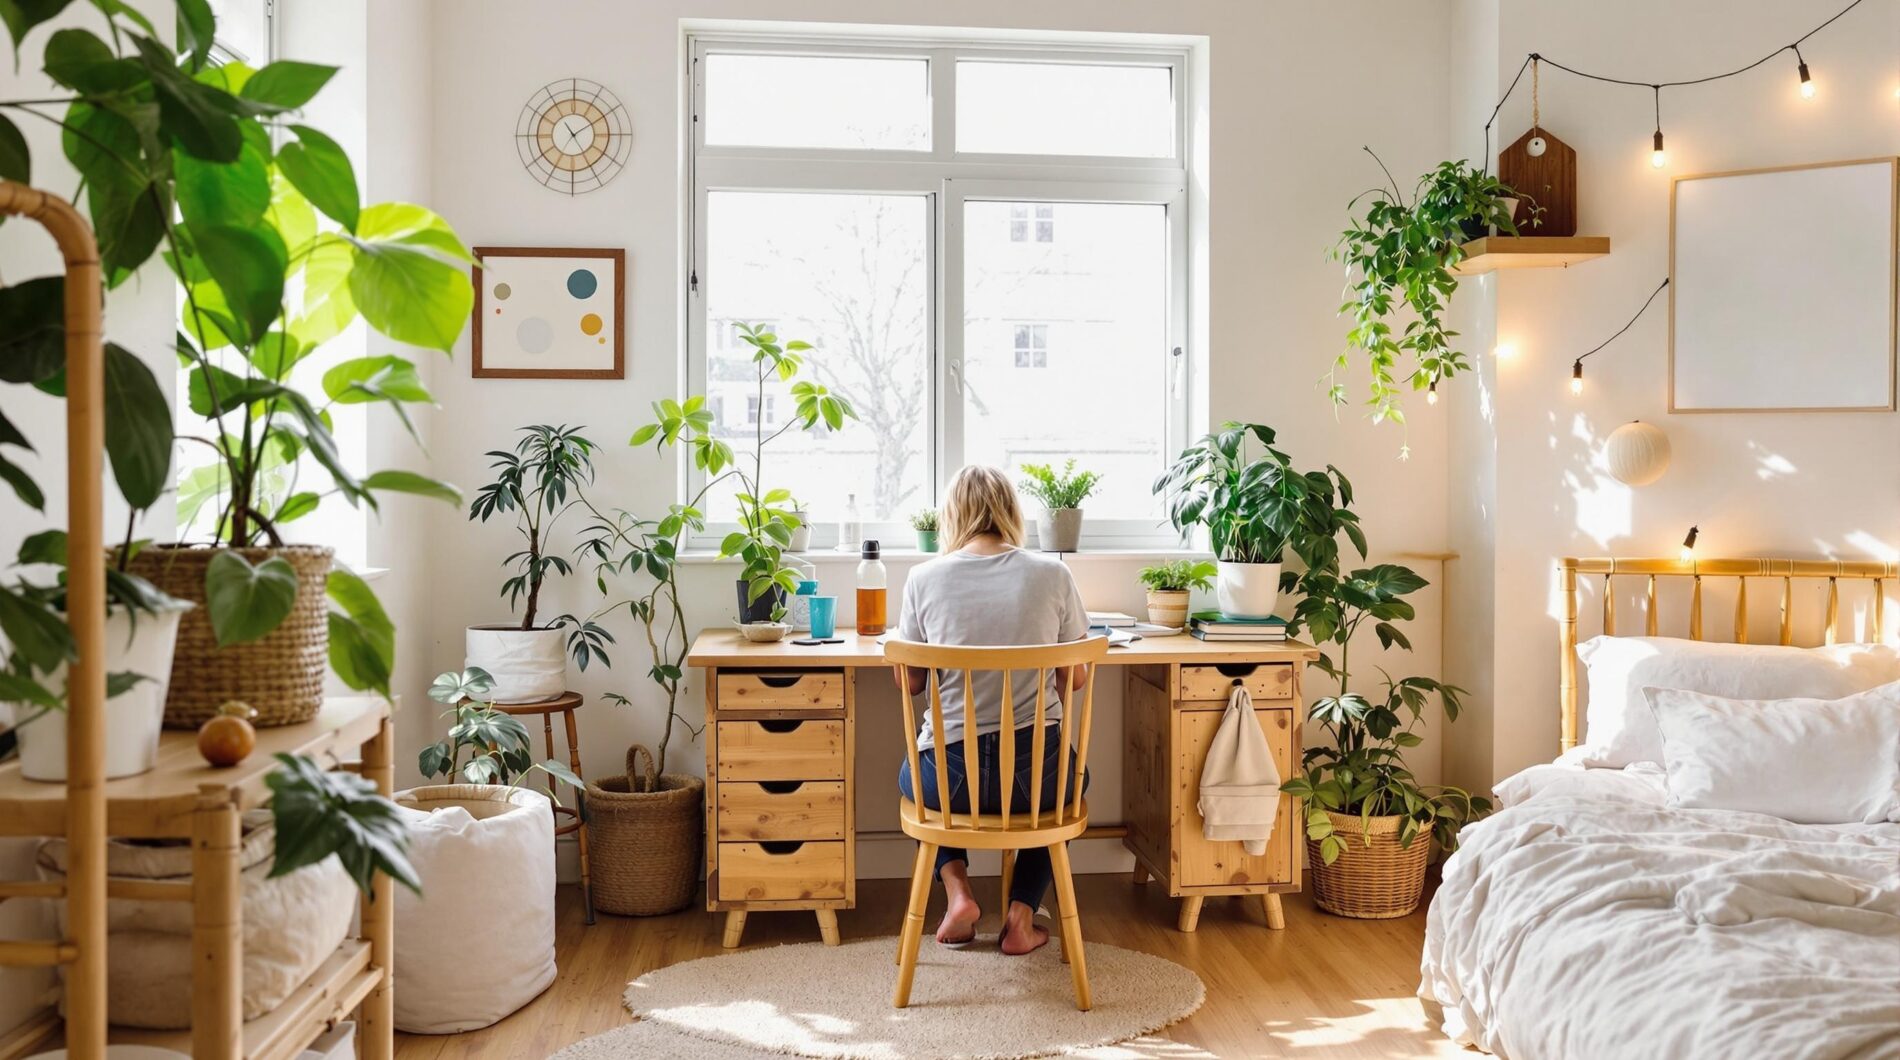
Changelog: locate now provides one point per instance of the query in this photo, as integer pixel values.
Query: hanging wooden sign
(1543, 169)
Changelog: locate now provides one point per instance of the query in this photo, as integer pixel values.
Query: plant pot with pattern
(1168, 585)
(1059, 524)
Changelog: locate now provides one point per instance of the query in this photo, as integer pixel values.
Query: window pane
(1065, 109)
(818, 101)
(849, 274)
(1065, 346)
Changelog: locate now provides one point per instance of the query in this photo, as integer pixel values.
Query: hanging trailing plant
(1401, 255)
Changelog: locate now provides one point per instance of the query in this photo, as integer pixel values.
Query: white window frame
(947, 179)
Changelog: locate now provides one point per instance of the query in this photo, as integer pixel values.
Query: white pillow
(1619, 729)
(1811, 761)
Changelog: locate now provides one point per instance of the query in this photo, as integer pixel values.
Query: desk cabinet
(1170, 715)
(779, 790)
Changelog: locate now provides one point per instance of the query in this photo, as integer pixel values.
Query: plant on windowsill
(1370, 823)
(1061, 493)
(1252, 507)
(925, 523)
(540, 481)
(1168, 585)
(205, 166)
(1402, 255)
(801, 534)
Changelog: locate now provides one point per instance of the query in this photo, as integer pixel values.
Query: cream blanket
(1597, 929)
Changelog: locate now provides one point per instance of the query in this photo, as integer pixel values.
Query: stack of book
(1212, 625)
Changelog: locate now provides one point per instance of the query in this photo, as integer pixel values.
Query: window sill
(911, 557)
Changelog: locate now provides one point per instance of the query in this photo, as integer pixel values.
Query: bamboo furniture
(1004, 828)
(185, 798)
(565, 705)
(1570, 569)
(82, 800)
(781, 724)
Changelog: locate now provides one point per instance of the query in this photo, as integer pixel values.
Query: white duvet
(1596, 927)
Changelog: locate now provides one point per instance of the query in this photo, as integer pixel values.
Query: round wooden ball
(1637, 452)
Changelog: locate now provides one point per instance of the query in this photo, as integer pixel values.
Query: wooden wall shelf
(1530, 252)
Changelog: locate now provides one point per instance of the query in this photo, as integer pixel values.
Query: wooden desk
(781, 723)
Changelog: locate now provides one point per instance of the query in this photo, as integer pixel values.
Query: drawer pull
(1236, 669)
(778, 680)
(780, 725)
(781, 847)
(781, 787)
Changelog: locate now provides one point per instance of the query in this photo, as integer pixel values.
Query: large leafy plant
(318, 813)
(1253, 505)
(1401, 255)
(1359, 770)
(206, 167)
(499, 747)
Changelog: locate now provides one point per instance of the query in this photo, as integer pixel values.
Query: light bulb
(1656, 156)
(1807, 83)
(1431, 393)
(1688, 544)
(1576, 378)
(1504, 351)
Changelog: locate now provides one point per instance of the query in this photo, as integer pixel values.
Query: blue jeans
(1033, 871)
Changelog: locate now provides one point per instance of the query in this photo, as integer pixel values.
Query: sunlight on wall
(1602, 503)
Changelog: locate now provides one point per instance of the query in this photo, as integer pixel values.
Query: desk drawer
(781, 809)
(809, 749)
(764, 872)
(781, 690)
(1216, 682)
(1203, 862)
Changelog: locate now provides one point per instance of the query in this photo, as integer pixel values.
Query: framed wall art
(1782, 294)
(549, 313)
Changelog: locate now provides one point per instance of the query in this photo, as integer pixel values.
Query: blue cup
(824, 617)
(807, 587)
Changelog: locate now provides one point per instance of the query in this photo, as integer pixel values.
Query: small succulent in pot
(1168, 585)
(926, 524)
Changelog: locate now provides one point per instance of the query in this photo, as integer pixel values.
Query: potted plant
(1251, 507)
(925, 523)
(539, 482)
(1059, 524)
(1401, 256)
(766, 524)
(772, 627)
(801, 534)
(1168, 585)
(200, 175)
(1369, 821)
(499, 747)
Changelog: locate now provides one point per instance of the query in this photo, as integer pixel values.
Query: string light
(1431, 392)
(1688, 544)
(1576, 377)
(1656, 157)
(1576, 367)
(1801, 66)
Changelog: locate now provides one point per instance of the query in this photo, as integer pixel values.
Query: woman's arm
(919, 678)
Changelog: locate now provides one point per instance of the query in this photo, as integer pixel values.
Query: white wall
(1279, 170)
(1813, 484)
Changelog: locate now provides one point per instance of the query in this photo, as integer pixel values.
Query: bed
(1591, 918)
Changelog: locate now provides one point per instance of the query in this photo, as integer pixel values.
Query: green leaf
(16, 160)
(296, 506)
(320, 169)
(327, 306)
(15, 688)
(23, 485)
(317, 813)
(138, 428)
(22, 15)
(389, 378)
(196, 28)
(287, 85)
(228, 193)
(410, 482)
(412, 226)
(276, 354)
(362, 638)
(411, 295)
(244, 602)
(248, 265)
(202, 119)
(212, 391)
(35, 632)
(32, 330)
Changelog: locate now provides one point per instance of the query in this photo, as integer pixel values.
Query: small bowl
(765, 632)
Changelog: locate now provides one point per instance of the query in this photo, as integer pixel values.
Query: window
(1032, 345)
(895, 204)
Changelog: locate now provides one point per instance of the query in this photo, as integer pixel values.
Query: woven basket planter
(1383, 881)
(279, 674)
(645, 831)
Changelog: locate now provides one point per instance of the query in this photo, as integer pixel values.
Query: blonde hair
(980, 500)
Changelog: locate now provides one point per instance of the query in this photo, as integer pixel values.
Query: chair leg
(735, 928)
(1190, 912)
(828, 925)
(1071, 925)
(1275, 913)
(1009, 876)
(913, 934)
(1054, 902)
(903, 929)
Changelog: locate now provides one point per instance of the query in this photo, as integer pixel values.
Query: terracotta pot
(1377, 881)
(1168, 607)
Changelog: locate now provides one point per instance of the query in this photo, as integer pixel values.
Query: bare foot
(959, 919)
(1021, 933)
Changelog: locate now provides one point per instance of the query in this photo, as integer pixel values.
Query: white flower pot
(1247, 590)
(801, 537)
(133, 718)
(1059, 529)
(528, 665)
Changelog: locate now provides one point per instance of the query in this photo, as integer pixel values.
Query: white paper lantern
(1637, 452)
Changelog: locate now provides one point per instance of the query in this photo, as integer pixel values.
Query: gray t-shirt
(1012, 598)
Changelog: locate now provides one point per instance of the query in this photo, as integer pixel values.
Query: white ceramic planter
(1247, 590)
(528, 665)
(801, 537)
(1059, 529)
(133, 718)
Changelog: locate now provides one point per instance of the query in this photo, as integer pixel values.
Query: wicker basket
(1383, 881)
(279, 674)
(645, 833)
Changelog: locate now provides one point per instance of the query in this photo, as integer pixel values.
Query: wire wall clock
(573, 136)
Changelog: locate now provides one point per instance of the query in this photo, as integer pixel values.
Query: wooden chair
(999, 829)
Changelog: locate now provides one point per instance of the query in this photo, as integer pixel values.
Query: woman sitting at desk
(987, 591)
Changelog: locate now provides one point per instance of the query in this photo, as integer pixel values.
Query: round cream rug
(835, 1001)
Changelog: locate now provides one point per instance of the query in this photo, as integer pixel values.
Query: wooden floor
(1325, 987)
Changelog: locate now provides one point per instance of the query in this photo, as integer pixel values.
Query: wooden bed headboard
(1740, 569)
